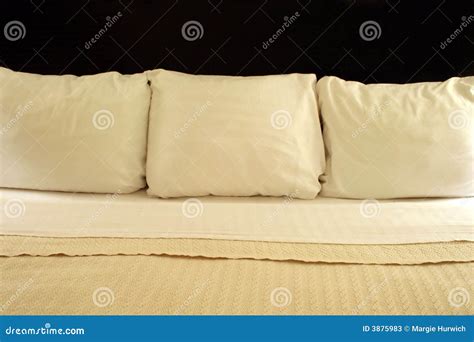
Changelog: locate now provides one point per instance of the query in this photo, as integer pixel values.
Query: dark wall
(321, 37)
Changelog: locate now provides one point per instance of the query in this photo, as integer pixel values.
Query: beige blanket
(192, 276)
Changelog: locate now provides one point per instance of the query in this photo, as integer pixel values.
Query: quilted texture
(232, 249)
(233, 277)
(182, 285)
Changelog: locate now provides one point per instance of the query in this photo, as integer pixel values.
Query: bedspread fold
(232, 249)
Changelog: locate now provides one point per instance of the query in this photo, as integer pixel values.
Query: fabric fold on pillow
(398, 141)
(233, 136)
(69, 133)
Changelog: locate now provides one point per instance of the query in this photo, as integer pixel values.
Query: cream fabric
(167, 285)
(233, 136)
(174, 283)
(392, 141)
(322, 220)
(402, 254)
(73, 133)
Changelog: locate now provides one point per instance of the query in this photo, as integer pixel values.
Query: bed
(72, 253)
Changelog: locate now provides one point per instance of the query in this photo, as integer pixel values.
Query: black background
(324, 40)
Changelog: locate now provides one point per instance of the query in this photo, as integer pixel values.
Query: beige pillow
(233, 136)
(392, 141)
(71, 133)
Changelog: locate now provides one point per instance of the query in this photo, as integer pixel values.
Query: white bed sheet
(322, 220)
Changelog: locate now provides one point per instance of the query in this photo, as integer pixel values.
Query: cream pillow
(71, 133)
(233, 136)
(393, 141)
